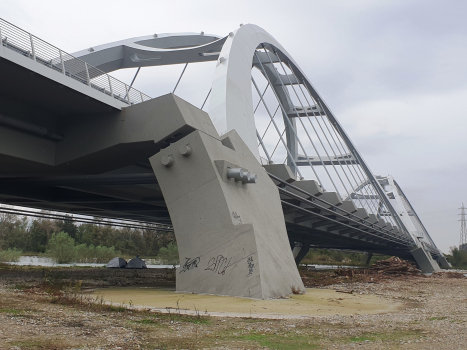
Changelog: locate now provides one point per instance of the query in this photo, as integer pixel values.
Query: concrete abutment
(231, 235)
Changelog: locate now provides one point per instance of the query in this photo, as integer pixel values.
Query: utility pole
(463, 238)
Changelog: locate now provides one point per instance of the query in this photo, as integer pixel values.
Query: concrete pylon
(424, 260)
(231, 235)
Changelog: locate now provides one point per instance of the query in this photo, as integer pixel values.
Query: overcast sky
(393, 72)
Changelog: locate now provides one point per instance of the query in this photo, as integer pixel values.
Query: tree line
(32, 235)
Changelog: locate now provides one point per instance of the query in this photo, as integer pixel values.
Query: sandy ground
(36, 313)
(315, 302)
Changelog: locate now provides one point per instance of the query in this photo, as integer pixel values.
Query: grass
(394, 335)
(174, 317)
(283, 341)
(362, 338)
(12, 311)
(437, 318)
(148, 321)
(46, 344)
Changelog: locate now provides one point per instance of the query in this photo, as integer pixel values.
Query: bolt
(186, 150)
(168, 161)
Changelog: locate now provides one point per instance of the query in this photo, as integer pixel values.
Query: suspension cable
(309, 137)
(275, 125)
(288, 121)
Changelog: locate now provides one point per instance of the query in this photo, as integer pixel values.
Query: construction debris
(395, 265)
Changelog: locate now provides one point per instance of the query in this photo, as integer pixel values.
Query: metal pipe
(87, 74)
(29, 127)
(32, 48)
(110, 180)
(110, 86)
(61, 61)
(100, 220)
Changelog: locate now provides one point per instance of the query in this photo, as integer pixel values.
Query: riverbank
(43, 309)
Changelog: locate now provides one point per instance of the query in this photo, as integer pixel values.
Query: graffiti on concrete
(236, 216)
(190, 263)
(251, 266)
(218, 264)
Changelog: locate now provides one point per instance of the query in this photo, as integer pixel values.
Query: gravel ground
(37, 315)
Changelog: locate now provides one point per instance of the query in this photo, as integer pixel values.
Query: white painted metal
(32, 47)
(407, 214)
(231, 102)
(144, 51)
(46, 55)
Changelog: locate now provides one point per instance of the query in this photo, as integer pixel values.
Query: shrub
(169, 255)
(10, 255)
(458, 258)
(61, 247)
(104, 254)
(91, 254)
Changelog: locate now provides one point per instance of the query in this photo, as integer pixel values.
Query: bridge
(248, 186)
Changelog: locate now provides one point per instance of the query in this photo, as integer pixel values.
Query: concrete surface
(231, 236)
(316, 302)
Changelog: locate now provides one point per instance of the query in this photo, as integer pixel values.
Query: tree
(61, 247)
(169, 255)
(70, 227)
(458, 257)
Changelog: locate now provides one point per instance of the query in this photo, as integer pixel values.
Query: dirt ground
(47, 309)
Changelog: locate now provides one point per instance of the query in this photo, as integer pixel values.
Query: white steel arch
(231, 103)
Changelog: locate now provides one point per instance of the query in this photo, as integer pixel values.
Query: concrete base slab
(316, 302)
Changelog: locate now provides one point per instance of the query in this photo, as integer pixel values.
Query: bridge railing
(43, 53)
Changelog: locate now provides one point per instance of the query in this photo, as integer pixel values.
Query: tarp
(118, 263)
(136, 263)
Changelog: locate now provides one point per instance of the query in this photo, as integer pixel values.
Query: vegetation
(457, 258)
(67, 241)
(169, 255)
(10, 255)
(62, 248)
(91, 254)
(336, 257)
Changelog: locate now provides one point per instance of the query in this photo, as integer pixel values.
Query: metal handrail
(48, 55)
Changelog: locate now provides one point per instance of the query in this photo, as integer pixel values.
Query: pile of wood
(395, 265)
